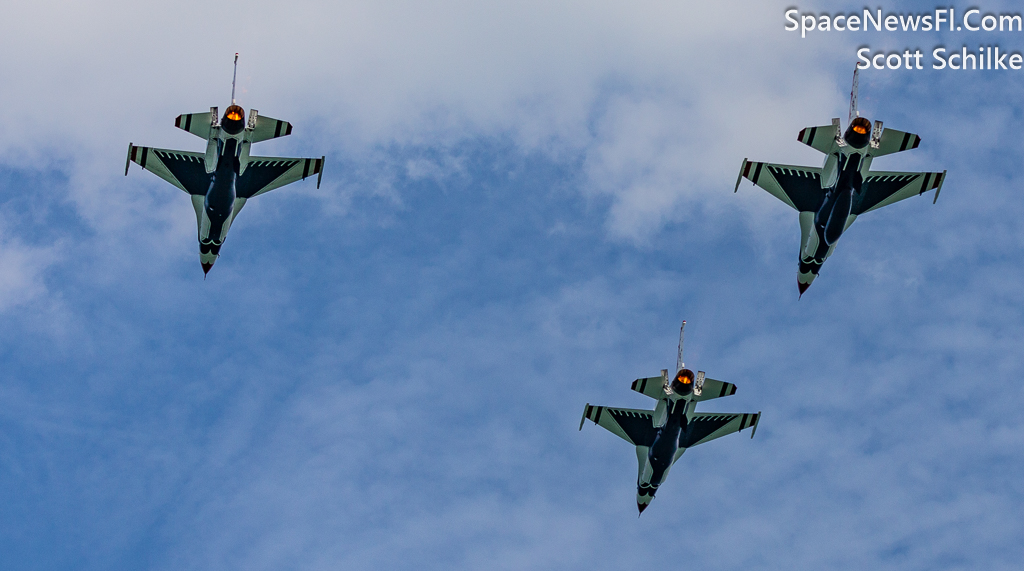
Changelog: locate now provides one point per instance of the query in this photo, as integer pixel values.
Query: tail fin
(854, 113)
(679, 355)
(234, 75)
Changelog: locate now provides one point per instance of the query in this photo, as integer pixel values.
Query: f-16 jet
(830, 198)
(663, 434)
(220, 180)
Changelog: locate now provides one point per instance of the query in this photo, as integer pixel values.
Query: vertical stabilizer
(854, 113)
(679, 356)
(234, 75)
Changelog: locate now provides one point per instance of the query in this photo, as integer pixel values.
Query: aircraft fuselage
(842, 177)
(830, 219)
(220, 198)
(671, 418)
(662, 453)
(221, 202)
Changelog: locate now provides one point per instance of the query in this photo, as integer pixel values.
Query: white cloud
(21, 270)
(662, 99)
(389, 398)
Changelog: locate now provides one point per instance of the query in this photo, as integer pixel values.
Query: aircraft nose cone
(206, 268)
(802, 287)
(641, 507)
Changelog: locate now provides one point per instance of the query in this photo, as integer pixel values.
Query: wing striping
(884, 188)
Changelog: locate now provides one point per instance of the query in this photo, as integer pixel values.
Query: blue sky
(520, 203)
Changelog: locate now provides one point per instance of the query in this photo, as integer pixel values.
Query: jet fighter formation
(223, 178)
(663, 434)
(830, 198)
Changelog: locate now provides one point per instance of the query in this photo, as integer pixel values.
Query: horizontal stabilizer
(632, 425)
(197, 123)
(653, 387)
(707, 426)
(799, 187)
(267, 128)
(893, 141)
(716, 389)
(821, 138)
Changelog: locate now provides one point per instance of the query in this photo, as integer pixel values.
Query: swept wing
(882, 188)
(263, 174)
(632, 425)
(184, 169)
(707, 426)
(797, 186)
(187, 170)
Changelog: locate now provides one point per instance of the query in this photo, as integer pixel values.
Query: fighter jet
(830, 198)
(663, 434)
(223, 178)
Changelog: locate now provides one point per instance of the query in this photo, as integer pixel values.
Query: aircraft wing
(707, 426)
(184, 169)
(632, 425)
(883, 188)
(893, 141)
(716, 389)
(263, 174)
(821, 138)
(799, 187)
(653, 387)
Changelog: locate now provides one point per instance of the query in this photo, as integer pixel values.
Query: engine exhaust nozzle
(858, 133)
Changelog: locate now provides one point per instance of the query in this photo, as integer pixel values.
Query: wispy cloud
(520, 204)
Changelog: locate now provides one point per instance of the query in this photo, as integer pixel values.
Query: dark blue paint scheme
(830, 219)
(220, 197)
(668, 439)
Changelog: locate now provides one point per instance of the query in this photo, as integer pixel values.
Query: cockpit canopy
(234, 120)
(859, 133)
(682, 384)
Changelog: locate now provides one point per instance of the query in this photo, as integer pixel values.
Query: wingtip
(740, 177)
(938, 188)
